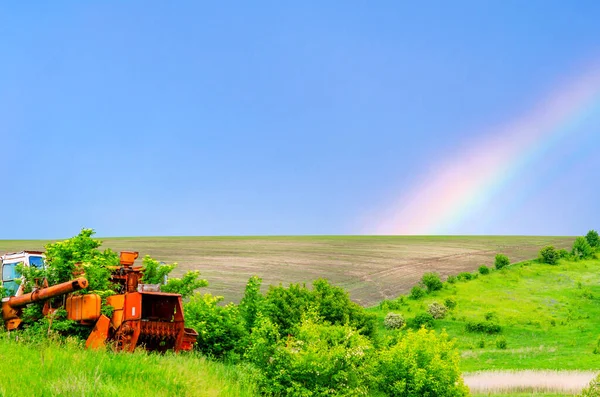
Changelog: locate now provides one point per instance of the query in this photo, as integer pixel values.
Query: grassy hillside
(55, 370)
(549, 315)
(371, 268)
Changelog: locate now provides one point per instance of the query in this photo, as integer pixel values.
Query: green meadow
(548, 314)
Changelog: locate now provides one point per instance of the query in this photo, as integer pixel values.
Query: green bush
(421, 320)
(421, 364)
(451, 279)
(221, 331)
(286, 306)
(437, 310)
(465, 276)
(450, 303)
(320, 360)
(483, 270)
(252, 303)
(432, 282)
(491, 316)
(154, 271)
(501, 261)
(549, 255)
(393, 321)
(593, 389)
(581, 249)
(185, 285)
(417, 292)
(484, 327)
(562, 253)
(501, 343)
(62, 258)
(593, 239)
(392, 304)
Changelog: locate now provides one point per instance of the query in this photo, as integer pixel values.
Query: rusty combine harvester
(142, 316)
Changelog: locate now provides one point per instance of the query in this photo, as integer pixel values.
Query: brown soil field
(371, 268)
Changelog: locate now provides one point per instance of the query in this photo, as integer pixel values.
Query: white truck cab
(10, 275)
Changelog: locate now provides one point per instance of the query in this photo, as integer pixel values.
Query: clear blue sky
(218, 118)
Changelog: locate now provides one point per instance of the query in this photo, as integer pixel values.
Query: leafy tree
(221, 330)
(582, 249)
(432, 282)
(80, 254)
(252, 302)
(422, 363)
(549, 255)
(593, 239)
(186, 285)
(155, 271)
(286, 306)
(501, 261)
(320, 360)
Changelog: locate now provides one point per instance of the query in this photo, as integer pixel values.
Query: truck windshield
(36, 261)
(9, 275)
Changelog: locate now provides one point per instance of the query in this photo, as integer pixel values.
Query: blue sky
(198, 118)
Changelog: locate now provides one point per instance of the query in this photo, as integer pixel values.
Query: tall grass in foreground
(48, 369)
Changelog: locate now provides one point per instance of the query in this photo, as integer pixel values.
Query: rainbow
(446, 197)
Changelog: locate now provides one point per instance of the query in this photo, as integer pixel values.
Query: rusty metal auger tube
(48, 292)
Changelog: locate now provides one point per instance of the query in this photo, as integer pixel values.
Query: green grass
(46, 369)
(371, 268)
(549, 316)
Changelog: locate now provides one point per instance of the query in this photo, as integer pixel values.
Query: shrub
(437, 311)
(220, 329)
(421, 320)
(155, 272)
(549, 255)
(450, 303)
(490, 316)
(451, 279)
(286, 306)
(320, 360)
(421, 364)
(597, 348)
(417, 292)
(393, 321)
(593, 239)
(481, 344)
(483, 269)
(501, 261)
(185, 285)
(62, 258)
(486, 327)
(562, 253)
(252, 302)
(465, 276)
(501, 343)
(392, 304)
(581, 249)
(593, 389)
(432, 282)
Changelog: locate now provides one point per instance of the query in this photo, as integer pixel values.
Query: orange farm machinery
(141, 316)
